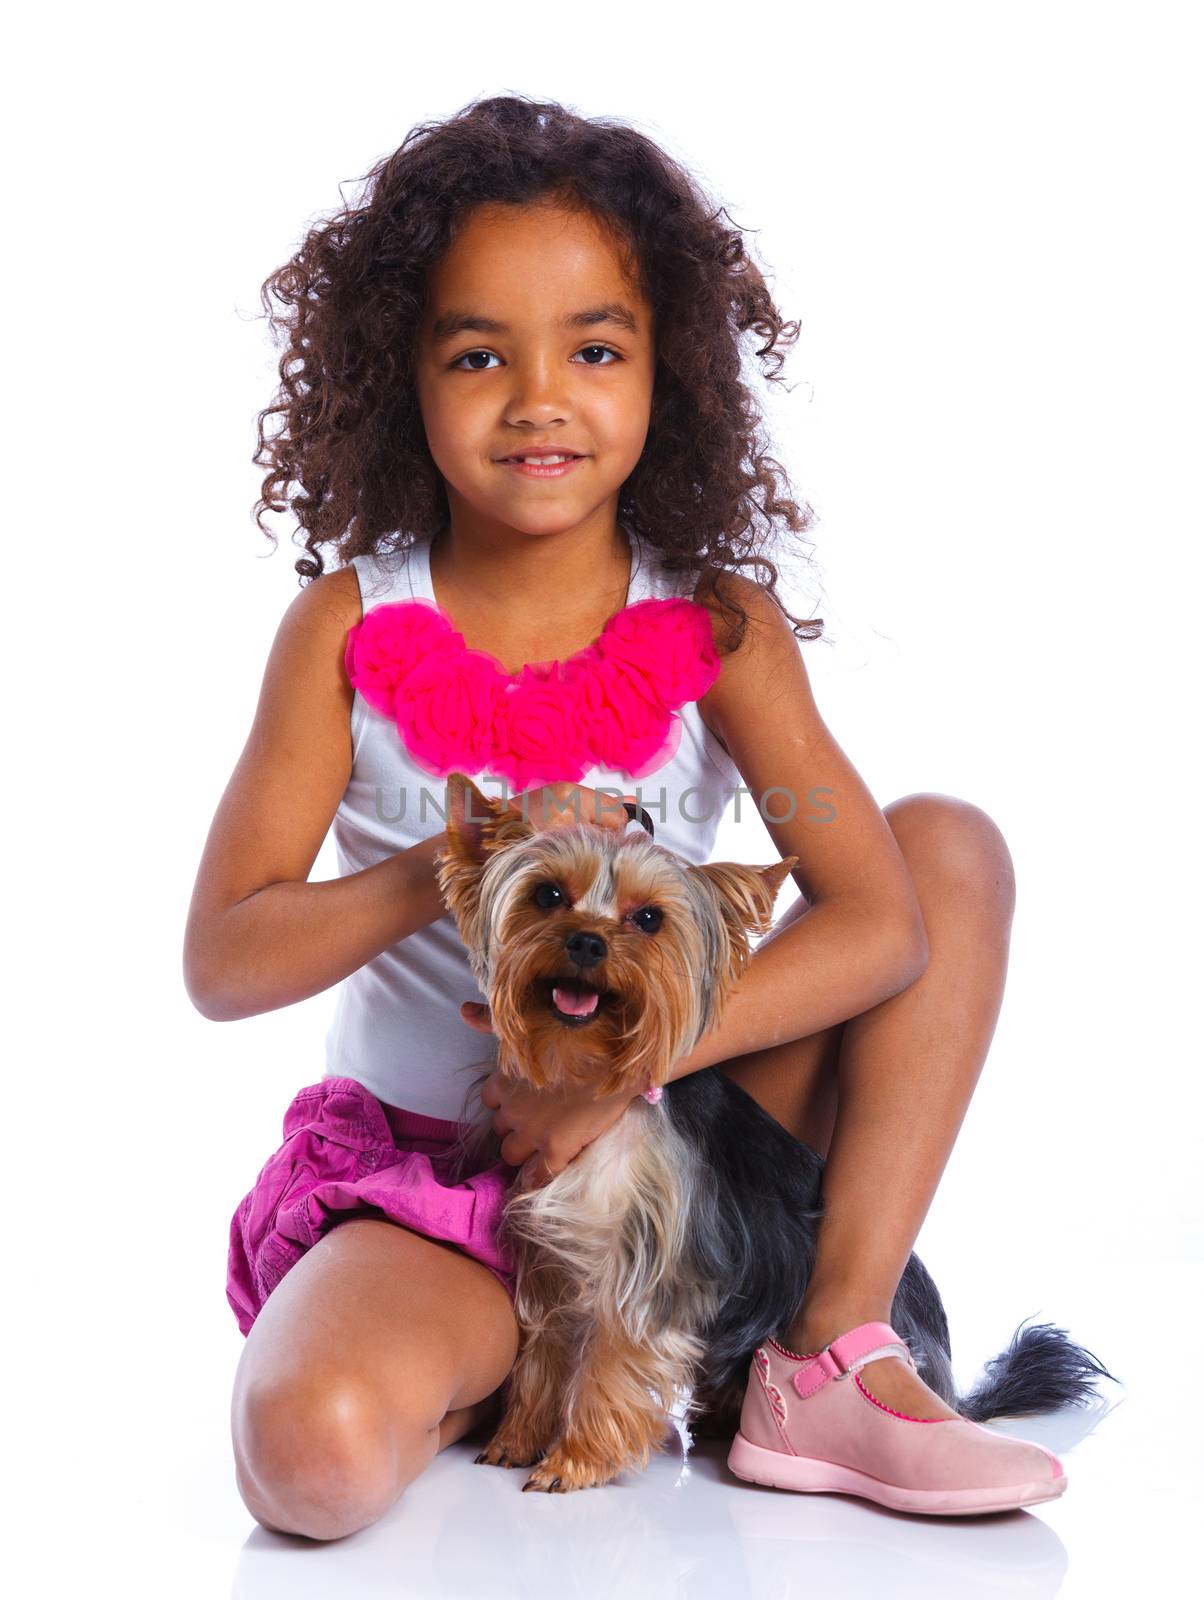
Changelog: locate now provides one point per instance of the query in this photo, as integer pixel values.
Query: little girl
(513, 390)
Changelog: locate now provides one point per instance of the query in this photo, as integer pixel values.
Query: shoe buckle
(827, 1365)
(830, 1365)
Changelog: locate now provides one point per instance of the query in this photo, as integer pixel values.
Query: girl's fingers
(610, 813)
(476, 1016)
(534, 1173)
(519, 1151)
(561, 805)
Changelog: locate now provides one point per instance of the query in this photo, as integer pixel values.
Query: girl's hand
(544, 1129)
(560, 805)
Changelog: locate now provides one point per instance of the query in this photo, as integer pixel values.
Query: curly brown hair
(704, 492)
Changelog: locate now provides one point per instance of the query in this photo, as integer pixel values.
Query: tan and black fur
(674, 1243)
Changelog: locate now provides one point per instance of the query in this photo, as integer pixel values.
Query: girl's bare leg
(376, 1351)
(883, 1095)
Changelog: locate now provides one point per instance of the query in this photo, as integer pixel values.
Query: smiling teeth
(543, 461)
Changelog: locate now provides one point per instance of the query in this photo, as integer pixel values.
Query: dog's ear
(477, 825)
(472, 819)
(746, 894)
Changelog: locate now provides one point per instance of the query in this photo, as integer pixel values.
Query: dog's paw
(559, 1472)
(506, 1449)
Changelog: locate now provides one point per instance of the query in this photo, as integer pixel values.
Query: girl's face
(534, 336)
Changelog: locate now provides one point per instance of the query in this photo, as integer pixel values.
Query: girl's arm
(863, 938)
(260, 936)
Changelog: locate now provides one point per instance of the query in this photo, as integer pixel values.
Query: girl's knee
(319, 1458)
(339, 1400)
(956, 841)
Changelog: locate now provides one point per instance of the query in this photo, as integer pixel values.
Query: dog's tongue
(574, 999)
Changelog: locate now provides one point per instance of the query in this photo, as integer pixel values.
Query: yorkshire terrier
(654, 1264)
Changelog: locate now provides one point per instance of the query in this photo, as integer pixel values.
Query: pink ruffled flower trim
(611, 705)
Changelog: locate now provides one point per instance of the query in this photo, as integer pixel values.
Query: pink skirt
(348, 1154)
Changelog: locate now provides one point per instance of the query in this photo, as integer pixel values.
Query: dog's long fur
(684, 1235)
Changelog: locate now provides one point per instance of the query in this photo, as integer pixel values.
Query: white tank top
(397, 1027)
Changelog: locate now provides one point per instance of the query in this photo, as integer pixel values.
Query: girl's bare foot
(458, 1424)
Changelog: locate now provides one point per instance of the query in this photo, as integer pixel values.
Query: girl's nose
(539, 396)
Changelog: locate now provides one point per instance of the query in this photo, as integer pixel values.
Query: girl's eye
(648, 918)
(548, 895)
(468, 354)
(488, 354)
(605, 349)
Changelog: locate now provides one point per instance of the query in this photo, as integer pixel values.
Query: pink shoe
(803, 1427)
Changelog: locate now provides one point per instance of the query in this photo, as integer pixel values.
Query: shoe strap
(846, 1354)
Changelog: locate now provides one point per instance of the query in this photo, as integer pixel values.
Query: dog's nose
(586, 949)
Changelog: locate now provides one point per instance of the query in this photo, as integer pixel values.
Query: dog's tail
(1042, 1369)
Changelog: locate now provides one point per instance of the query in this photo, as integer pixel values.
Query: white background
(987, 219)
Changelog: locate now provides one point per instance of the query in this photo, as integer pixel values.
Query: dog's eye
(648, 918)
(548, 895)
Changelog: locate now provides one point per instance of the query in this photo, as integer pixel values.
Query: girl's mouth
(542, 466)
